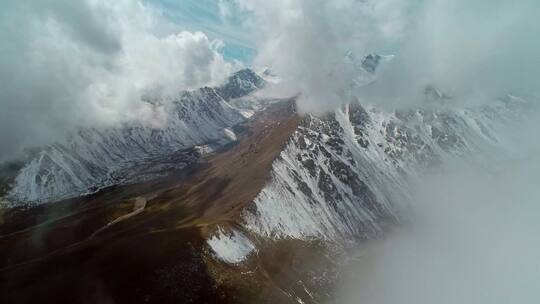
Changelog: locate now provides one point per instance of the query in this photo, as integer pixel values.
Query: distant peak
(241, 83)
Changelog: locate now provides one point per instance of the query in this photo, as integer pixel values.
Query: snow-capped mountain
(93, 158)
(344, 176)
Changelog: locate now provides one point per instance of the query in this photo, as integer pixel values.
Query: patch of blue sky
(233, 52)
(218, 19)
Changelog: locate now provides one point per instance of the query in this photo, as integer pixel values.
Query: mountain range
(236, 199)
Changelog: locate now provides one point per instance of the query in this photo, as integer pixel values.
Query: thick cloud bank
(472, 236)
(68, 63)
(473, 50)
(474, 239)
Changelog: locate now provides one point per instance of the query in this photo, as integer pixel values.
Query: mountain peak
(241, 83)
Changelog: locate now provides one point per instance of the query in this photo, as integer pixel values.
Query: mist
(473, 51)
(470, 234)
(70, 64)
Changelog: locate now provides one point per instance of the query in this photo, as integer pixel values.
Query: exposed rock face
(90, 159)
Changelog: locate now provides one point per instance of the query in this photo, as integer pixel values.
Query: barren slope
(52, 253)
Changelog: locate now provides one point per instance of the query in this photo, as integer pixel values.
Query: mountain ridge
(91, 159)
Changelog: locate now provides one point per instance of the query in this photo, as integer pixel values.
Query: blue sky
(205, 16)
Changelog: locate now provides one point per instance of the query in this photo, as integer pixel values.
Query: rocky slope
(344, 177)
(91, 159)
(146, 242)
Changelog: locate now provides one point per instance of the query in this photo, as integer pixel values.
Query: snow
(229, 134)
(247, 113)
(205, 149)
(231, 247)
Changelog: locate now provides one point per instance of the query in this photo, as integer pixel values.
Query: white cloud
(485, 48)
(306, 41)
(64, 64)
(472, 237)
(475, 51)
